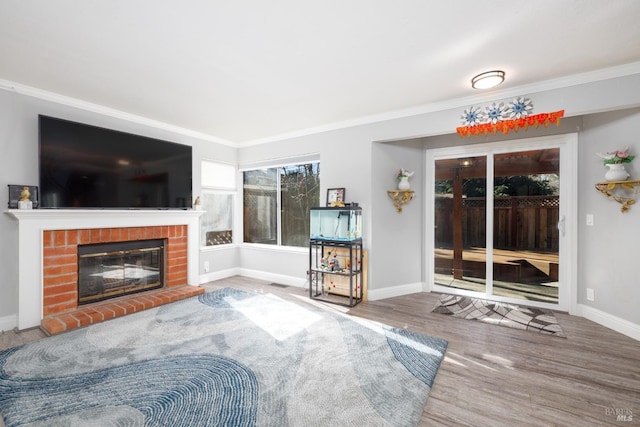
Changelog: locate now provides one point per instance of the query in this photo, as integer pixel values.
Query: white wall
(356, 159)
(345, 161)
(19, 165)
(396, 255)
(396, 251)
(608, 257)
(15, 168)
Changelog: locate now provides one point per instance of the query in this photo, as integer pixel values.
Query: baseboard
(394, 291)
(7, 323)
(610, 321)
(217, 275)
(273, 277)
(254, 274)
(372, 294)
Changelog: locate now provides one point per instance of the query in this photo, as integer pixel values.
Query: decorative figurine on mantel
(196, 204)
(403, 176)
(25, 199)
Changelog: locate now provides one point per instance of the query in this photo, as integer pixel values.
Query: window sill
(218, 247)
(275, 248)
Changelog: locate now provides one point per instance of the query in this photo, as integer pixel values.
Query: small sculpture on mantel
(196, 203)
(25, 199)
(25, 195)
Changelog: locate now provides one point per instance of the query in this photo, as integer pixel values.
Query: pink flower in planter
(616, 156)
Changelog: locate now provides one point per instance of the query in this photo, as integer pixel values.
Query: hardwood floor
(13, 338)
(497, 376)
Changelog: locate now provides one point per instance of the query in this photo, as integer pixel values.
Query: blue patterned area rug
(226, 358)
(499, 313)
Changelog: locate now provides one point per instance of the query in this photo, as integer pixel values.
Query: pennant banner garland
(504, 119)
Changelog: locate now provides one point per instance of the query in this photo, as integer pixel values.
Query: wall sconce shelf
(622, 192)
(400, 197)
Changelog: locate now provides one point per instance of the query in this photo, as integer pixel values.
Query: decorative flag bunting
(506, 126)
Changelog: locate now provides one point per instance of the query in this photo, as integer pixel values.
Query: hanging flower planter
(614, 161)
(616, 172)
(403, 176)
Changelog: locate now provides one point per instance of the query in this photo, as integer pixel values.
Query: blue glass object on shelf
(336, 224)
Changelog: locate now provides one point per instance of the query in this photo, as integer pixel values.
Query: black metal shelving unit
(321, 273)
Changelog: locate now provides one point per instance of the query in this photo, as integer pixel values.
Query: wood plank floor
(497, 376)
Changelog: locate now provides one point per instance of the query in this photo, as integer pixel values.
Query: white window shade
(218, 175)
(285, 161)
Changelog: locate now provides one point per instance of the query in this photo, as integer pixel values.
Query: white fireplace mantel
(33, 222)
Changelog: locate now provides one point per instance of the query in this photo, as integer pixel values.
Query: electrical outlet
(590, 220)
(590, 294)
(206, 266)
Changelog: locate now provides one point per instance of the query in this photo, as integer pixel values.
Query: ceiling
(248, 71)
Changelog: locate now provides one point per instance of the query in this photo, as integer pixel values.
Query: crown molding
(562, 82)
(111, 112)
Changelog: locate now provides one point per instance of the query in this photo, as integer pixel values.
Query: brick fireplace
(48, 262)
(60, 259)
(60, 273)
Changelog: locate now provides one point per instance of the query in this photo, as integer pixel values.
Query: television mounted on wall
(89, 167)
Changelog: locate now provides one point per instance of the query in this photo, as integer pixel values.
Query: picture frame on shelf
(335, 196)
(16, 193)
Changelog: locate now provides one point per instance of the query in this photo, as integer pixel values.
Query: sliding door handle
(562, 225)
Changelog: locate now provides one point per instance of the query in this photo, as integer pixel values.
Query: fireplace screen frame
(114, 269)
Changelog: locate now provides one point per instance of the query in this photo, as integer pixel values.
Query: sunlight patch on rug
(499, 313)
(228, 357)
(279, 318)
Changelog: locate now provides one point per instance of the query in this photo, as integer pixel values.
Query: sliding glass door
(460, 241)
(498, 224)
(526, 207)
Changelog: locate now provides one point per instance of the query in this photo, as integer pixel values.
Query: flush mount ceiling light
(487, 80)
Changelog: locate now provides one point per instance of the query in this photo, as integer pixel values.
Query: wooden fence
(522, 223)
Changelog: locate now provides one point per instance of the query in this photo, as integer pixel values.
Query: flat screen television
(89, 167)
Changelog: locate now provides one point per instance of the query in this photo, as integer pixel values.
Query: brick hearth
(60, 275)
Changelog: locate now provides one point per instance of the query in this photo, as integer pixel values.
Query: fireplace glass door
(113, 269)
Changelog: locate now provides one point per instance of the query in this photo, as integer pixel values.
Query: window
(277, 202)
(218, 194)
(216, 223)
